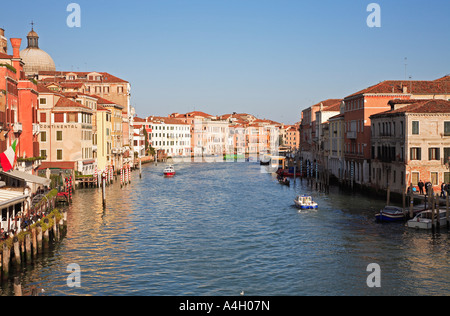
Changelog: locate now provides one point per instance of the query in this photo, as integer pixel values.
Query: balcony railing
(36, 129)
(351, 135)
(17, 128)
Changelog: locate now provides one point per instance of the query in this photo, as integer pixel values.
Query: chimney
(3, 42)
(16, 60)
(15, 43)
(405, 89)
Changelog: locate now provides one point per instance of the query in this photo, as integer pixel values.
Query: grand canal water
(222, 228)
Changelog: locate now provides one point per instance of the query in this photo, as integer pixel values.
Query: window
(415, 153)
(43, 101)
(415, 127)
(446, 177)
(59, 117)
(446, 154)
(43, 136)
(446, 128)
(59, 154)
(72, 117)
(434, 178)
(43, 153)
(414, 178)
(43, 117)
(434, 153)
(59, 135)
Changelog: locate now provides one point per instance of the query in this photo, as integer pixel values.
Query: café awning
(23, 176)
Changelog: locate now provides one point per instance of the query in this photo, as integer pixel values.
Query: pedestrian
(443, 190)
(421, 185)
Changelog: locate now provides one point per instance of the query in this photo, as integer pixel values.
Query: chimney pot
(15, 43)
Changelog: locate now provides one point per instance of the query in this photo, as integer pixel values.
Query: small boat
(284, 181)
(394, 214)
(169, 171)
(305, 202)
(423, 219)
(390, 214)
(265, 160)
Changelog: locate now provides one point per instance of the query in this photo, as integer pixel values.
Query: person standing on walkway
(421, 185)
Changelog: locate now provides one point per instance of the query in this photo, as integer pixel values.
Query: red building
(18, 106)
(361, 105)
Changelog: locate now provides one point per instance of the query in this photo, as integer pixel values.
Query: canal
(222, 228)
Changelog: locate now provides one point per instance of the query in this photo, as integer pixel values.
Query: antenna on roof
(406, 66)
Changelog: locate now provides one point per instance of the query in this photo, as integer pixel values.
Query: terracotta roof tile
(396, 87)
(67, 103)
(418, 106)
(5, 56)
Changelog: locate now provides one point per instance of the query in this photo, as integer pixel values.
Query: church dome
(35, 59)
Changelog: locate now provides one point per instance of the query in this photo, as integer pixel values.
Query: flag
(8, 157)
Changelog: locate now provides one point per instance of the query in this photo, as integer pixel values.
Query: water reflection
(220, 228)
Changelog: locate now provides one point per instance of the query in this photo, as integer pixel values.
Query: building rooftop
(429, 106)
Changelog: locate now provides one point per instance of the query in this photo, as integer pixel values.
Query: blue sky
(270, 58)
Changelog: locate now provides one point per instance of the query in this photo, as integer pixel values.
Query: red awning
(57, 165)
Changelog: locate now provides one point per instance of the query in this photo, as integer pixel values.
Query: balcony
(351, 135)
(36, 129)
(17, 128)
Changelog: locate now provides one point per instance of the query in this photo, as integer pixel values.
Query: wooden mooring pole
(17, 250)
(388, 197)
(447, 209)
(39, 237)
(103, 189)
(28, 247)
(432, 204)
(17, 287)
(437, 212)
(6, 259)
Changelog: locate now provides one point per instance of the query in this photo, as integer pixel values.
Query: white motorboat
(305, 202)
(423, 219)
(169, 171)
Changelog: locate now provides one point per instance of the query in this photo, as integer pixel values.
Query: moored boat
(423, 220)
(393, 213)
(305, 202)
(265, 160)
(390, 214)
(284, 181)
(169, 171)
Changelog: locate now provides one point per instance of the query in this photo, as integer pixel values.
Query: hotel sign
(58, 126)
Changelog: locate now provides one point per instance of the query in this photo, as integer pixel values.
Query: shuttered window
(415, 153)
(446, 128)
(415, 127)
